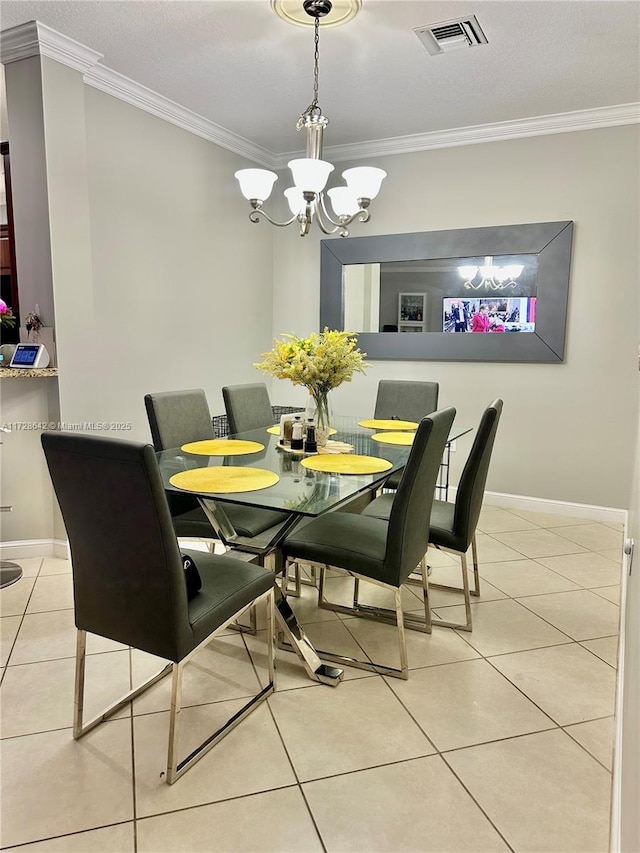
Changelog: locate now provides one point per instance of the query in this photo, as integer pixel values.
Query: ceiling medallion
(340, 12)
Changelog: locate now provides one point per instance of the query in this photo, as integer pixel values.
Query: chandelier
(492, 277)
(306, 197)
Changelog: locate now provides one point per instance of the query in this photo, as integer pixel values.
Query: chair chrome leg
(402, 640)
(271, 651)
(425, 593)
(78, 698)
(176, 769)
(467, 626)
(369, 611)
(301, 580)
(174, 722)
(356, 591)
(78, 703)
(476, 571)
(394, 617)
(252, 627)
(297, 582)
(465, 579)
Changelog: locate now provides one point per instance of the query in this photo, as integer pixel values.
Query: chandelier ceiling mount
(306, 197)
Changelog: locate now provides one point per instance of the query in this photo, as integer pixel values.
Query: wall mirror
(497, 293)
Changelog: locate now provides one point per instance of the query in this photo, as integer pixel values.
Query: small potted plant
(33, 324)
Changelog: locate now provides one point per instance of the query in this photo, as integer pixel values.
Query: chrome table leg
(297, 641)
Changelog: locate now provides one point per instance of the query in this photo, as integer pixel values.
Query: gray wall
(182, 280)
(135, 229)
(568, 430)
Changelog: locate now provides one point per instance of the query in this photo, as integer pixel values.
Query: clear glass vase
(322, 415)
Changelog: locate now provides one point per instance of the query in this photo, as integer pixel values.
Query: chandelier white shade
(492, 277)
(256, 183)
(343, 201)
(310, 175)
(295, 198)
(306, 198)
(364, 181)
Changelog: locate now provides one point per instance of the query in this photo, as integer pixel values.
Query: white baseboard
(613, 515)
(34, 548)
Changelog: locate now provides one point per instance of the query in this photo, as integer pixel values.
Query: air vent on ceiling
(451, 35)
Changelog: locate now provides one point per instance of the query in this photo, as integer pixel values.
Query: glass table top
(298, 489)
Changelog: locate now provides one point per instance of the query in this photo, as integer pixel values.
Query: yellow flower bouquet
(320, 362)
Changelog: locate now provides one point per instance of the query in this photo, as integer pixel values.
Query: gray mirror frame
(550, 241)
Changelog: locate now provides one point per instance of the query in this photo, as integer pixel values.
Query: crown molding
(34, 38)
(619, 114)
(121, 87)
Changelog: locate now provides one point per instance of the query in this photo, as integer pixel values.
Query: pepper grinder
(310, 445)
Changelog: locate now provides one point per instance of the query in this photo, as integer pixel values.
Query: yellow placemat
(379, 423)
(394, 437)
(222, 447)
(223, 480)
(347, 464)
(275, 430)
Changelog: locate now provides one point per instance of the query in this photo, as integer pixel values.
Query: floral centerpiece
(320, 362)
(7, 317)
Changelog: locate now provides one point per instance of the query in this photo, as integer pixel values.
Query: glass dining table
(296, 491)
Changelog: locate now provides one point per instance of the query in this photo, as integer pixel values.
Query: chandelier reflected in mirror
(306, 198)
(492, 277)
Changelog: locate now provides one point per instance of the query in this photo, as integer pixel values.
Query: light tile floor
(501, 739)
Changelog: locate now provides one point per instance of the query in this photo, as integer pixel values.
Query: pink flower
(6, 315)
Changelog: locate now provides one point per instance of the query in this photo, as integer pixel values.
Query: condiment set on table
(298, 435)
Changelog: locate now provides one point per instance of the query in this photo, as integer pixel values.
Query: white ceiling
(237, 64)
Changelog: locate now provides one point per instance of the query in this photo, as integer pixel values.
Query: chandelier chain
(316, 59)
(313, 108)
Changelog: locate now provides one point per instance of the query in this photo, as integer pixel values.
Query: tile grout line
(66, 835)
(560, 629)
(209, 803)
(440, 755)
(501, 835)
(582, 746)
(277, 728)
(15, 639)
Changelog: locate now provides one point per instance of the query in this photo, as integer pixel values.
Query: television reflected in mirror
(428, 295)
(503, 314)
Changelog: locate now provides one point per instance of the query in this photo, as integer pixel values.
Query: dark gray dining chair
(247, 406)
(382, 551)
(128, 576)
(405, 400)
(453, 525)
(179, 417)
